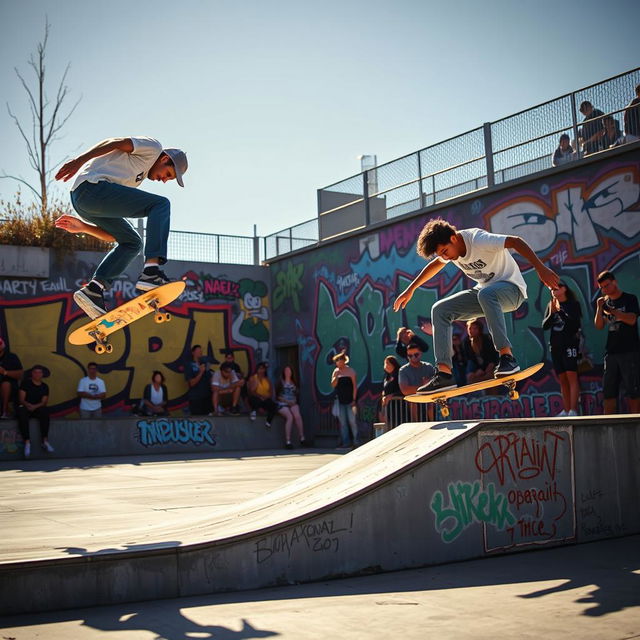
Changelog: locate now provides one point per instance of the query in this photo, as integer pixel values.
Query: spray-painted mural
(579, 221)
(223, 307)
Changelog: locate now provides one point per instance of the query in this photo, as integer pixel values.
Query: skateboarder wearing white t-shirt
(485, 258)
(104, 194)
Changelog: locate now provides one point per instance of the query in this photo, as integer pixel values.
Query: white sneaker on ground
(27, 449)
(572, 413)
(47, 447)
(252, 416)
(561, 414)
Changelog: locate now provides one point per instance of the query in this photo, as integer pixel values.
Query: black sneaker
(151, 278)
(506, 366)
(288, 446)
(440, 382)
(91, 299)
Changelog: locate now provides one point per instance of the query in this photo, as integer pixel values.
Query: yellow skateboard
(441, 397)
(101, 327)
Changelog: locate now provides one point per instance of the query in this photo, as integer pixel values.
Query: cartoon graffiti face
(252, 302)
(578, 212)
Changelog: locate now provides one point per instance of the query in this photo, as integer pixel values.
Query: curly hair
(433, 234)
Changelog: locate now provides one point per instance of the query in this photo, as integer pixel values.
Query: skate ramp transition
(422, 494)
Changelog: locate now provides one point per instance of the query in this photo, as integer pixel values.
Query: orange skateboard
(100, 328)
(441, 397)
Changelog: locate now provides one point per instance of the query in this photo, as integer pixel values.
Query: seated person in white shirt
(91, 391)
(225, 389)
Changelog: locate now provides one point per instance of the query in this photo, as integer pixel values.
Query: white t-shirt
(156, 396)
(87, 385)
(120, 167)
(487, 261)
(222, 383)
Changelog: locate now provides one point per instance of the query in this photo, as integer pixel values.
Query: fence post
(256, 246)
(319, 212)
(488, 154)
(574, 124)
(422, 198)
(365, 191)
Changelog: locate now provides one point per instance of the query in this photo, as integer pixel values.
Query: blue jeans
(347, 421)
(107, 205)
(491, 302)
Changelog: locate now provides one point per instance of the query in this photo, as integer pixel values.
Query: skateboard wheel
(108, 348)
(514, 395)
(159, 318)
(444, 411)
(167, 317)
(100, 349)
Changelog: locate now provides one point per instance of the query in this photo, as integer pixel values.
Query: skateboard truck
(158, 315)
(102, 342)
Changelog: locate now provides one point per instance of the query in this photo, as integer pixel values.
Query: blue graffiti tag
(170, 430)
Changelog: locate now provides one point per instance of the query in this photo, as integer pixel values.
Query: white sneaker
(572, 413)
(252, 416)
(27, 449)
(47, 447)
(562, 414)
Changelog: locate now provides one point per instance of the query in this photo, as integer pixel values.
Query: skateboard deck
(99, 329)
(441, 397)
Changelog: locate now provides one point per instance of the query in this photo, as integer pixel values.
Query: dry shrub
(26, 225)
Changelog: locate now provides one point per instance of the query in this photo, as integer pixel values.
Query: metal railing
(497, 152)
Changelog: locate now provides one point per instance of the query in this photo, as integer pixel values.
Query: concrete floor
(586, 591)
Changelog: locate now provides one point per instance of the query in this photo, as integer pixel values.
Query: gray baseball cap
(179, 159)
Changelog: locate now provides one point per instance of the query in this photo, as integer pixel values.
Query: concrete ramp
(422, 494)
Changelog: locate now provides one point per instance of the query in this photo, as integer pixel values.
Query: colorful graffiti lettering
(209, 287)
(171, 430)
(469, 503)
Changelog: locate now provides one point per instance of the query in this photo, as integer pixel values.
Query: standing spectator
(10, 374)
(32, 398)
(563, 317)
(155, 396)
(225, 389)
(459, 360)
(405, 337)
(287, 397)
(198, 377)
(260, 394)
(391, 394)
(415, 374)
(618, 312)
(591, 131)
(632, 118)
(91, 391)
(344, 381)
(480, 353)
(611, 134)
(564, 153)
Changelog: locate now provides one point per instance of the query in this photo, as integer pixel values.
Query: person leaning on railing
(632, 118)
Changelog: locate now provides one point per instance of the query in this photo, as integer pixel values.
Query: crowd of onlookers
(223, 388)
(599, 131)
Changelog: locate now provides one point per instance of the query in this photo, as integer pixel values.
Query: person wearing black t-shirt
(618, 312)
(479, 352)
(391, 413)
(33, 397)
(10, 374)
(563, 318)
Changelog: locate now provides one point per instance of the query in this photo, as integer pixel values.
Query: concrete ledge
(142, 436)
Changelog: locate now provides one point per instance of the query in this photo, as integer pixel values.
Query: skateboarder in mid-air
(485, 258)
(104, 194)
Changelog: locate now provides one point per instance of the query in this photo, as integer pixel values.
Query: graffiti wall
(223, 307)
(580, 221)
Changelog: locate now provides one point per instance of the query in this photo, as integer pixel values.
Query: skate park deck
(422, 494)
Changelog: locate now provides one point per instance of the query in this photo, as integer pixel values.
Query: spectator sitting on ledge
(225, 389)
(91, 391)
(260, 392)
(33, 397)
(155, 396)
(10, 374)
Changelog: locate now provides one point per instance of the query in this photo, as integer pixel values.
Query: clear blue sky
(272, 99)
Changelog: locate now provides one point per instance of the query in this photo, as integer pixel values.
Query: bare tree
(46, 120)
